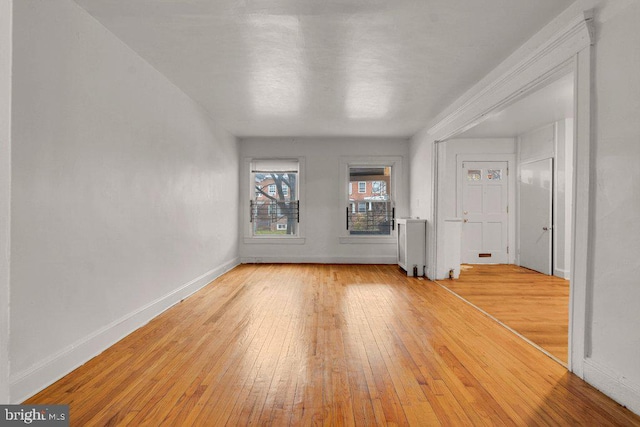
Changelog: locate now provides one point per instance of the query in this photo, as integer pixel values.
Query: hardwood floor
(533, 304)
(326, 344)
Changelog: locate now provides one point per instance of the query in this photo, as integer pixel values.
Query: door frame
(526, 70)
(510, 159)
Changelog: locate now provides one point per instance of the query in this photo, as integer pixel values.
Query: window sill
(274, 240)
(368, 240)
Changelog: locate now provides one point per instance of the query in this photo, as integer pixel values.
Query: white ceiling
(547, 105)
(324, 67)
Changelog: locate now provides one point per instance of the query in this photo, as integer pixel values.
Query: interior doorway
(541, 128)
(569, 51)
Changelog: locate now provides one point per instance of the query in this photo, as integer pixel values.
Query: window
(474, 175)
(494, 174)
(370, 214)
(350, 188)
(275, 205)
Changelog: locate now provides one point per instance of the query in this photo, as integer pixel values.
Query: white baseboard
(559, 272)
(613, 385)
(44, 373)
(376, 259)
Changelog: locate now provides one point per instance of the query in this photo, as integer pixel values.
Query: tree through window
(275, 205)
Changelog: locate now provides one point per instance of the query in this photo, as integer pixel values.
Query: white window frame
(247, 192)
(399, 181)
(360, 183)
(272, 190)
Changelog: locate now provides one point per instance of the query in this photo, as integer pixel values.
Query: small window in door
(494, 174)
(474, 175)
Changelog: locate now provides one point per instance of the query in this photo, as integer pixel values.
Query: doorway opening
(514, 172)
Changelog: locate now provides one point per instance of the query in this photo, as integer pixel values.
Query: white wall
(5, 190)
(421, 158)
(322, 210)
(614, 360)
(125, 193)
(537, 144)
(563, 174)
(420, 170)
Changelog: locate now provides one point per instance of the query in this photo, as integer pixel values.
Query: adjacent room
(342, 212)
(510, 179)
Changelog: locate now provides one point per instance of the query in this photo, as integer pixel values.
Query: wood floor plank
(533, 304)
(327, 345)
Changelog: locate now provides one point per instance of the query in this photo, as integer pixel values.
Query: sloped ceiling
(324, 67)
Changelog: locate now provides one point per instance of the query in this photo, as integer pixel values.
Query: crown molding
(538, 66)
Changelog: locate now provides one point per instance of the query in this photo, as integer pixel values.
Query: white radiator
(412, 244)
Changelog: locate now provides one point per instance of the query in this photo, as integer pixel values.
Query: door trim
(511, 191)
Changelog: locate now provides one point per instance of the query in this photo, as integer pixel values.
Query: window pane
(372, 209)
(494, 174)
(474, 175)
(275, 206)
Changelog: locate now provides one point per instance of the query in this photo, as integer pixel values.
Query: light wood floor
(327, 344)
(533, 304)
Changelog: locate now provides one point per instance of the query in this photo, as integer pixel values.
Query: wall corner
(6, 32)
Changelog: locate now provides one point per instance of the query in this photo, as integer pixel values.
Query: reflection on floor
(533, 304)
(352, 345)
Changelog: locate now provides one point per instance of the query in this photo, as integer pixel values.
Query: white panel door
(484, 207)
(536, 230)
